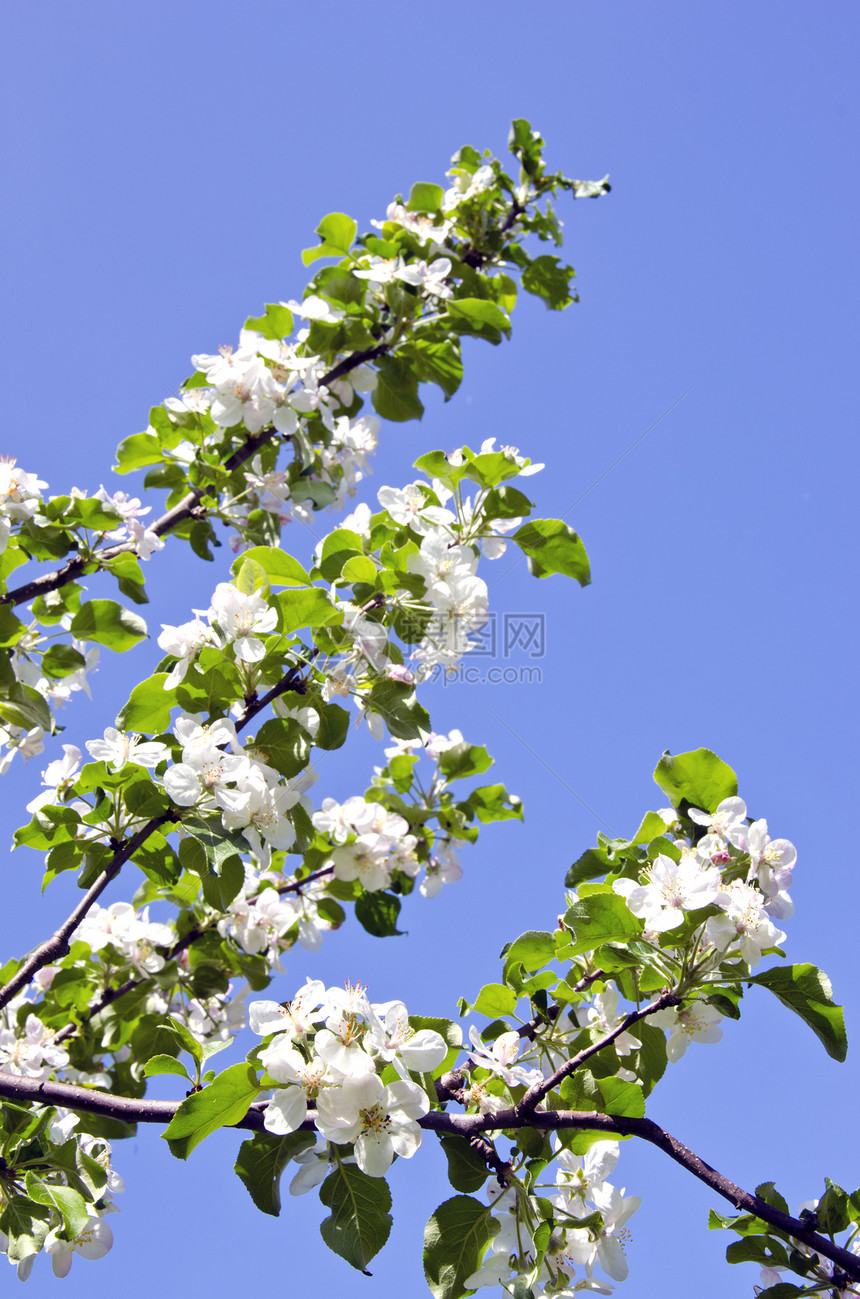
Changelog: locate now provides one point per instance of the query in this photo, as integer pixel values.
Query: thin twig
(110, 995)
(57, 945)
(187, 508)
(536, 1093)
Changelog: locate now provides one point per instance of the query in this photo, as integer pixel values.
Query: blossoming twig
(535, 1094)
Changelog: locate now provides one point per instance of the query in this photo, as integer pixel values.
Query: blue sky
(164, 166)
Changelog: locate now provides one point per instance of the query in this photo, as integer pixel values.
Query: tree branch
(127, 1109)
(57, 945)
(184, 509)
(130, 1110)
(468, 1125)
(536, 1093)
(110, 995)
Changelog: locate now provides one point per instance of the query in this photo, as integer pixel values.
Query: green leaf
(338, 547)
(600, 918)
(652, 1059)
(334, 724)
(377, 913)
(435, 464)
(109, 624)
(396, 704)
(359, 1224)
(262, 1160)
(284, 745)
(623, 1099)
(216, 861)
(424, 197)
(763, 1250)
(98, 515)
(360, 568)
(185, 1038)
(699, 778)
(24, 706)
(593, 863)
(467, 1171)
(533, 949)
(308, 608)
(479, 312)
(159, 1064)
(276, 323)
(454, 1240)
(70, 1204)
(651, 827)
(138, 451)
(553, 547)
(252, 577)
(26, 1224)
(807, 991)
(280, 568)
(767, 1191)
(147, 710)
(506, 502)
(395, 396)
(579, 1091)
(61, 661)
(495, 1000)
(494, 803)
(438, 363)
(549, 280)
(834, 1209)
(525, 144)
(11, 628)
(464, 760)
(337, 232)
(224, 1102)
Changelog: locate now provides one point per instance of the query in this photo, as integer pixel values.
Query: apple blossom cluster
(387, 318)
(132, 534)
(272, 383)
(132, 937)
(28, 1048)
(447, 557)
(372, 843)
(252, 798)
(20, 496)
(265, 921)
(28, 659)
(323, 1056)
(76, 1203)
(580, 1192)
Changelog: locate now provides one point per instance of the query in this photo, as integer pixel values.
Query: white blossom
(379, 1120)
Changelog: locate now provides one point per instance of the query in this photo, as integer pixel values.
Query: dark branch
(57, 946)
(469, 1125)
(110, 995)
(536, 1094)
(130, 1110)
(187, 508)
